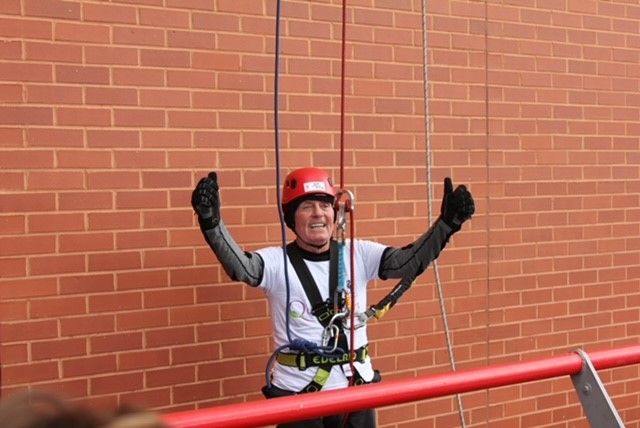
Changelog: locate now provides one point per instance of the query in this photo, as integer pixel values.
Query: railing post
(596, 403)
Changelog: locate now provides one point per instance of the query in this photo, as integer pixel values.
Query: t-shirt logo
(314, 186)
(296, 309)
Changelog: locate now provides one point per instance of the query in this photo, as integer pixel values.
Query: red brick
(172, 218)
(51, 137)
(72, 116)
(114, 220)
(11, 7)
(148, 398)
(29, 373)
(193, 119)
(58, 348)
(186, 354)
(231, 330)
(13, 267)
(191, 276)
(142, 319)
(29, 330)
(27, 159)
(113, 180)
(14, 311)
(72, 389)
(111, 261)
(111, 96)
(161, 18)
(168, 298)
(116, 383)
(138, 77)
(166, 138)
(168, 258)
(53, 52)
(141, 239)
(17, 245)
(170, 376)
(90, 324)
(108, 343)
(197, 314)
(142, 279)
(138, 36)
(47, 265)
(109, 13)
(140, 159)
(170, 336)
(85, 242)
(119, 302)
(12, 224)
(83, 159)
(138, 118)
(76, 74)
(144, 359)
(245, 347)
(86, 33)
(14, 354)
(86, 284)
(27, 72)
(61, 306)
(26, 29)
(60, 94)
(165, 98)
(112, 138)
(196, 392)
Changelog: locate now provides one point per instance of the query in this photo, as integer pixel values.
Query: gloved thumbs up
(448, 185)
(457, 206)
(205, 201)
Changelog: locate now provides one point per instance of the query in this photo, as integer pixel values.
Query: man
(303, 300)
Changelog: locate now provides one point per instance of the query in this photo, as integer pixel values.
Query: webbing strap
(304, 360)
(309, 284)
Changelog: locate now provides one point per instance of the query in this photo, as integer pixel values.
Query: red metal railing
(305, 406)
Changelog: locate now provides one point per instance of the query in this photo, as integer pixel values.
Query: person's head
(40, 409)
(308, 196)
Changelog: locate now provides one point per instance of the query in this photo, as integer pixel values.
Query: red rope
(342, 85)
(348, 206)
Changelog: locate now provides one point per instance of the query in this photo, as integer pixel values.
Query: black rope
(297, 344)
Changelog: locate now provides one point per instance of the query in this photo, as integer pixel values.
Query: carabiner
(330, 331)
(343, 207)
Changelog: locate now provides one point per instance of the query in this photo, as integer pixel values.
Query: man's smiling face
(314, 225)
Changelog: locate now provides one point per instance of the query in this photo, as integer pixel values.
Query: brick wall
(111, 111)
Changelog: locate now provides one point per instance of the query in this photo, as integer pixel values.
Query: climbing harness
(334, 340)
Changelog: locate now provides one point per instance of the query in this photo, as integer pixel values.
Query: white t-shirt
(302, 323)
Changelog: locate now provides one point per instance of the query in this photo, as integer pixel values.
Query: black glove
(205, 201)
(457, 206)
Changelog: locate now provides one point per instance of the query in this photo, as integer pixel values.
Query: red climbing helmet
(306, 182)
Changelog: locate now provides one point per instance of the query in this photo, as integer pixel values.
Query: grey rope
(429, 163)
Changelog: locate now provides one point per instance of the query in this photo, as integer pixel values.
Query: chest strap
(321, 309)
